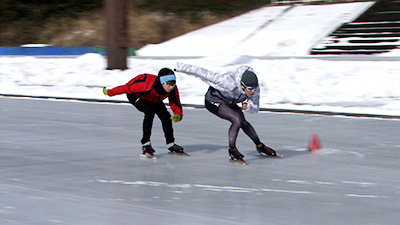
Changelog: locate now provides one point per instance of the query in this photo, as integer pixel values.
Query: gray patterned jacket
(225, 88)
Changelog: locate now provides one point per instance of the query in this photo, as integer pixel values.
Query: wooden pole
(116, 33)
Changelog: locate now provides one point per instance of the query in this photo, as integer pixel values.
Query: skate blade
(272, 156)
(242, 162)
(147, 156)
(180, 154)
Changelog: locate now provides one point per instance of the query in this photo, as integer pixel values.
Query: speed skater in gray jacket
(225, 92)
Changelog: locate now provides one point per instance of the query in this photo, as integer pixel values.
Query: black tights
(150, 109)
(234, 114)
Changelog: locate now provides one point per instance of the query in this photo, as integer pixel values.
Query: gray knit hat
(249, 79)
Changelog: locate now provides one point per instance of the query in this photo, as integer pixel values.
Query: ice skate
(148, 151)
(236, 156)
(175, 149)
(267, 151)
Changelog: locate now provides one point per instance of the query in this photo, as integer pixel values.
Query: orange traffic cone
(314, 143)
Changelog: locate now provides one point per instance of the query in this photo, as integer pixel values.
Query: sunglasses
(171, 83)
(249, 88)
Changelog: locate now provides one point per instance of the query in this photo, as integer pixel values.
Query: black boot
(148, 149)
(176, 149)
(266, 150)
(235, 154)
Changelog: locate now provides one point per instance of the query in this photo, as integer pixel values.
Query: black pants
(234, 114)
(150, 109)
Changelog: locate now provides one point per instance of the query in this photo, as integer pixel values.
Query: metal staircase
(376, 31)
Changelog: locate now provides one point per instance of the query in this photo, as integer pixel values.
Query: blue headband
(167, 78)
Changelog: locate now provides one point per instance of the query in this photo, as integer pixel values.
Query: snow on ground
(269, 31)
(346, 84)
(309, 84)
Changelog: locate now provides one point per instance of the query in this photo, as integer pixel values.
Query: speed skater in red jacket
(146, 92)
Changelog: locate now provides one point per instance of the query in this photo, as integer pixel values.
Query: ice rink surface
(65, 162)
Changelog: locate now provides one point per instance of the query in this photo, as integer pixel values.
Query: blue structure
(50, 50)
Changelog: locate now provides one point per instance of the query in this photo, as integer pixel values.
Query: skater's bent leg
(166, 122)
(234, 115)
(232, 134)
(147, 126)
(247, 127)
(250, 132)
(145, 107)
(229, 113)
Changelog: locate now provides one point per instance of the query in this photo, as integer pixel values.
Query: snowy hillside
(269, 31)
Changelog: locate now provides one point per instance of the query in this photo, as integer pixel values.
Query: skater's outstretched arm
(136, 85)
(222, 82)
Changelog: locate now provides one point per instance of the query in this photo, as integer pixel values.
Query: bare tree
(116, 33)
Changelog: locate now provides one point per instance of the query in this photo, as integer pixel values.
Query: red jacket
(143, 86)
